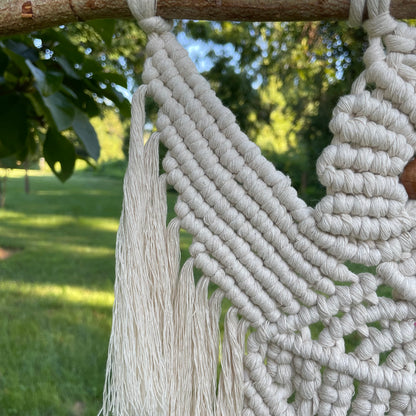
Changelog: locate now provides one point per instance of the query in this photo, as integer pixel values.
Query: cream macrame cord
(280, 263)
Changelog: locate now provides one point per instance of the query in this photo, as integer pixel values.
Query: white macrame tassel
(181, 392)
(205, 343)
(137, 378)
(196, 337)
(163, 351)
(230, 390)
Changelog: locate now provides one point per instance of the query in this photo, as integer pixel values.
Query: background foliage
(280, 79)
(53, 82)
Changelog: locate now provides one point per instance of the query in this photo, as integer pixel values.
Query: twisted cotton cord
(279, 261)
(364, 371)
(161, 97)
(261, 392)
(372, 170)
(335, 392)
(145, 13)
(142, 9)
(356, 13)
(187, 164)
(207, 163)
(279, 366)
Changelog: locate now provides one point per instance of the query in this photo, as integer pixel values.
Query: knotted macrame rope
(280, 263)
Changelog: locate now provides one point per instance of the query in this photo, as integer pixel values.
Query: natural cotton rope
(295, 304)
(355, 17)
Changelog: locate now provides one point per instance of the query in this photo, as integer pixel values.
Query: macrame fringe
(230, 390)
(138, 367)
(181, 392)
(205, 340)
(164, 346)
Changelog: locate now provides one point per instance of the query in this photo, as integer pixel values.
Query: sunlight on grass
(65, 234)
(63, 293)
(61, 192)
(185, 240)
(102, 224)
(20, 173)
(84, 250)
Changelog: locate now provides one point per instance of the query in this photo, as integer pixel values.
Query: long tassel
(138, 366)
(230, 390)
(205, 342)
(181, 392)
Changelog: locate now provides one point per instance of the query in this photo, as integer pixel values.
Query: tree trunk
(3, 183)
(19, 16)
(27, 183)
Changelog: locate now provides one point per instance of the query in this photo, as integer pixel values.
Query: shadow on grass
(67, 232)
(83, 195)
(45, 230)
(70, 253)
(53, 353)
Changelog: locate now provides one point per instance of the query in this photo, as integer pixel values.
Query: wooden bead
(408, 179)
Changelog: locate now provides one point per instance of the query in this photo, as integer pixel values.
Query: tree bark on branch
(18, 16)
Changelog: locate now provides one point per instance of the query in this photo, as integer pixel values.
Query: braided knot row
(374, 139)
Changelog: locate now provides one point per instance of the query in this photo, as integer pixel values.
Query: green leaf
(68, 91)
(91, 65)
(104, 28)
(64, 45)
(23, 50)
(10, 79)
(86, 133)
(119, 100)
(90, 107)
(59, 153)
(61, 109)
(46, 82)
(37, 104)
(13, 124)
(18, 60)
(111, 77)
(67, 67)
(85, 100)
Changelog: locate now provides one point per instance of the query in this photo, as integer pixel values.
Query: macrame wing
(280, 262)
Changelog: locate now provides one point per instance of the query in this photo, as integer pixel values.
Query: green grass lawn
(56, 294)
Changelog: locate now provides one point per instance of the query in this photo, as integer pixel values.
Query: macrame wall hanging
(279, 262)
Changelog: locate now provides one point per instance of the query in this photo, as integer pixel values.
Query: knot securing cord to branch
(145, 13)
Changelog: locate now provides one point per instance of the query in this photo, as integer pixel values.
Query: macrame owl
(279, 262)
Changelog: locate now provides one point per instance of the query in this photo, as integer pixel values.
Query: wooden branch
(17, 16)
(270, 10)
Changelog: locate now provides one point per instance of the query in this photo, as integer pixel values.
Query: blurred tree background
(281, 80)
